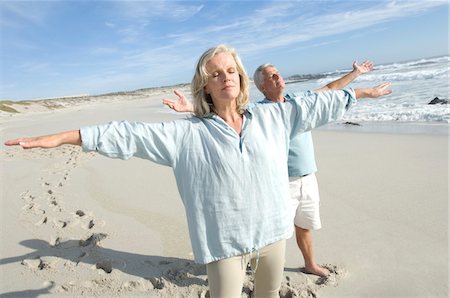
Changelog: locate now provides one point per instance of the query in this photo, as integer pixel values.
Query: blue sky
(58, 48)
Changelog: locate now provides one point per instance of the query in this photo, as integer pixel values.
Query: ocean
(414, 84)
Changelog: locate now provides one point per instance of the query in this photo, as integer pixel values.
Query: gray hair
(203, 104)
(258, 77)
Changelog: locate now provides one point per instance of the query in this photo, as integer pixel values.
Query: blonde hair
(203, 104)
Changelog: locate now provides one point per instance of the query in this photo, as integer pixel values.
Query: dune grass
(5, 105)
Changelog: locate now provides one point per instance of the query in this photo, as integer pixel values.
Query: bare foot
(317, 270)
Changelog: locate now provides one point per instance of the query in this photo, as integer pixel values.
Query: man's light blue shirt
(234, 187)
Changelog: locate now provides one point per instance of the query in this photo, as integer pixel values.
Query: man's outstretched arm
(358, 69)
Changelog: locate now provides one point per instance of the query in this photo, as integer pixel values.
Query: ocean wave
(399, 113)
(414, 63)
(421, 69)
(395, 76)
(415, 84)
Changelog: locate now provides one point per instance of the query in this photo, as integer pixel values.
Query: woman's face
(223, 78)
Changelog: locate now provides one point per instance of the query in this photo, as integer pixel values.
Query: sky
(62, 48)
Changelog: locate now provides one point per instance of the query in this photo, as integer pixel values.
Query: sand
(79, 224)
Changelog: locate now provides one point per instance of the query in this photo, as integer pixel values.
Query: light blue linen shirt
(301, 159)
(234, 187)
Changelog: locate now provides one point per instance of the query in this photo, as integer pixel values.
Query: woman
(229, 162)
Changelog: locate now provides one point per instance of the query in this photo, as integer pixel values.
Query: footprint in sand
(53, 201)
(34, 264)
(93, 239)
(105, 266)
(204, 294)
(60, 224)
(26, 196)
(288, 292)
(157, 282)
(41, 221)
(80, 213)
(54, 241)
(336, 273)
(89, 225)
(29, 206)
(134, 285)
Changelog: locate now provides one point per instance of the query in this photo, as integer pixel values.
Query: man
(301, 162)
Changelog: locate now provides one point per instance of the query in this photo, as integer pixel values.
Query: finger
(23, 142)
(384, 85)
(12, 142)
(26, 144)
(168, 102)
(19, 141)
(367, 64)
(178, 93)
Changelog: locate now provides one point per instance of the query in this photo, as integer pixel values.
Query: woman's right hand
(70, 137)
(180, 105)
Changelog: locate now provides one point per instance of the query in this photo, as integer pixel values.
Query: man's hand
(180, 105)
(358, 69)
(373, 92)
(364, 67)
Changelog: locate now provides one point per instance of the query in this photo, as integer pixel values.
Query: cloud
(14, 13)
(110, 25)
(145, 43)
(141, 15)
(144, 10)
(104, 50)
(260, 30)
(304, 21)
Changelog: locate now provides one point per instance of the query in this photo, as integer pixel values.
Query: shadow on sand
(156, 269)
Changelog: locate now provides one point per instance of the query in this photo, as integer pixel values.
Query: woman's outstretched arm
(50, 141)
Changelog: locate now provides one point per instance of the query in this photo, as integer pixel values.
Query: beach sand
(79, 224)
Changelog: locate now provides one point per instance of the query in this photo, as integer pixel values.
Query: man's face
(273, 82)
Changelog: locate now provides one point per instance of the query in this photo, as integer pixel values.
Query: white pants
(305, 202)
(226, 277)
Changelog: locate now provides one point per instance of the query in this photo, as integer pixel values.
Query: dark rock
(437, 100)
(352, 123)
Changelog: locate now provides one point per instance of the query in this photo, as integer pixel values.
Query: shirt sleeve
(158, 142)
(313, 109)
